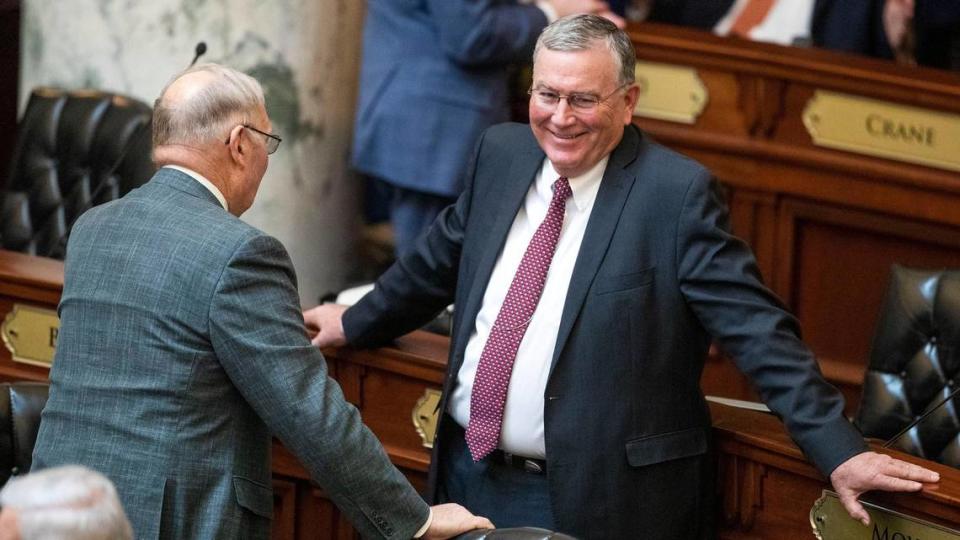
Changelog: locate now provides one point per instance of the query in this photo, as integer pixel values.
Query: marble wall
(305, 53)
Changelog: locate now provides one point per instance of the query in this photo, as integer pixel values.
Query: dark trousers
(508, 496)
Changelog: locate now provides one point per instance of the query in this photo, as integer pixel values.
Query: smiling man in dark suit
(591, 268)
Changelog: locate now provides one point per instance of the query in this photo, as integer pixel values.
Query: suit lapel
(614, 188)
(514, 188)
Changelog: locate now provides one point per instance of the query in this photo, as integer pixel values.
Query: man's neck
(204, 181)
(199, 163)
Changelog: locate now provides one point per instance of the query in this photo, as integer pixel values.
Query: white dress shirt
(522, 429)
(203, 182)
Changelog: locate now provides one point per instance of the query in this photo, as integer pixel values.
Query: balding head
(203, 103)
(212, 119)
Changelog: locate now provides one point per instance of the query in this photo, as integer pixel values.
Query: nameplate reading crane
(830, 521)
(883, 129)
(30, 334)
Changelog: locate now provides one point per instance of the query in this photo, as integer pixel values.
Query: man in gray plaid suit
(182, 346)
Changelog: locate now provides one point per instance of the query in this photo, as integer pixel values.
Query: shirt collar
(584, 187)
(203, 182)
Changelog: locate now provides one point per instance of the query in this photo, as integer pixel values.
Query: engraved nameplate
(30, 334)
(667, 92)
(882, 129)
(830, 521)
(426, 415)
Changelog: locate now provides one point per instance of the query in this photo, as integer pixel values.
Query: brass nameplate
(426, 415)
(667, 92)
(882, 129)
(30, 334)
(830, 521)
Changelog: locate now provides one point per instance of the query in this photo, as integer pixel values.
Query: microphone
(920, 418)
(200, 50)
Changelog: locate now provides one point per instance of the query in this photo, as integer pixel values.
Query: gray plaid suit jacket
(181, 349)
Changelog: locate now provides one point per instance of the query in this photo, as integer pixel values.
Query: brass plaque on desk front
(830, 521)
(882, 129)
(30, 334)
(426, 416)
(668, 92)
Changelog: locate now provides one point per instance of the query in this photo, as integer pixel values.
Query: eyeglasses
(273, 141)
(584, 103)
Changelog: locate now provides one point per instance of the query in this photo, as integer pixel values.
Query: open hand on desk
(870, 470)
(325, 325)
(450, 520)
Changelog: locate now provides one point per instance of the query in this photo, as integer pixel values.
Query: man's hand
(870, 470)
(569, 7)
(325, 325)
(450, 520)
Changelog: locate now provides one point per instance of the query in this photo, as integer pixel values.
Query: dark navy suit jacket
(434, 76)
(657, 277)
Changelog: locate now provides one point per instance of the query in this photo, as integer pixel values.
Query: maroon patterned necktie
(496, 361)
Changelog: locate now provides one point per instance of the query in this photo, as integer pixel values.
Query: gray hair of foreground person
(66, 502)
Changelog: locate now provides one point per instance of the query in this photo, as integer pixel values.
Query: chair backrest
(915, 364)
(20, 406)
(74, 150)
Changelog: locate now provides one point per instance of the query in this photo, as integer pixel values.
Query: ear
(236, 144)
(630, 98)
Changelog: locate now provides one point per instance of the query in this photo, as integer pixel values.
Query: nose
(563, 114)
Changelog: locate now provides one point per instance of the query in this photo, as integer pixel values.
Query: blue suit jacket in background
(434, 76)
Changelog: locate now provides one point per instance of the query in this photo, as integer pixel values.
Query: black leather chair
(20, 407)
(518, 533)
(915, 364)
(74, 150)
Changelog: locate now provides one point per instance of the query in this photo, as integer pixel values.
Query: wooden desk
(767, 488)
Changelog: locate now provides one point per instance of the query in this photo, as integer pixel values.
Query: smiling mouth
(565, 137)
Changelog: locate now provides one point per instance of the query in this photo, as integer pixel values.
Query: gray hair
(581, 32)
(66, 502)
(231, 98)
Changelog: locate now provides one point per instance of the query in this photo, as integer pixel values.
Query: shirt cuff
(423, 530)
(548, 10)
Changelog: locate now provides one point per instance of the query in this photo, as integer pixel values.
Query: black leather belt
(530, 465)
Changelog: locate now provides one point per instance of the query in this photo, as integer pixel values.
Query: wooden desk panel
(33, 281)
(766, 487)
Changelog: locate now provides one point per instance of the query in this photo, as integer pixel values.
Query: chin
(565, 166)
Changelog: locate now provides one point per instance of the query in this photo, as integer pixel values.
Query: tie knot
(561, 189)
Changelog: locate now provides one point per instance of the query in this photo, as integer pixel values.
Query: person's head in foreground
(62, 503)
